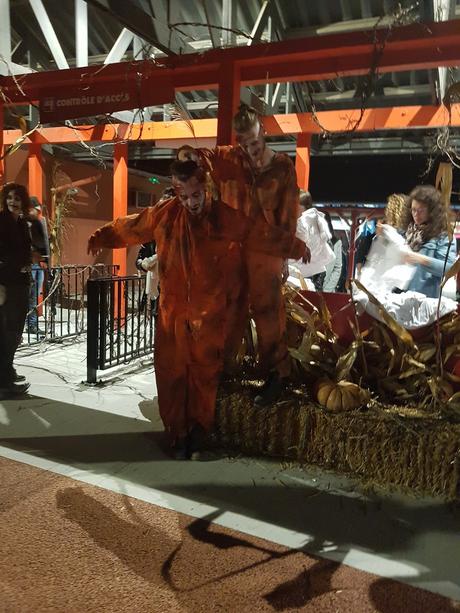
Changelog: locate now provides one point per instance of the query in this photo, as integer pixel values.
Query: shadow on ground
(109, 444)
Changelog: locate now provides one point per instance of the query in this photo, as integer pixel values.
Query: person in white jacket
(312, 228)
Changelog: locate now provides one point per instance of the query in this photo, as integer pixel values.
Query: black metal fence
(57, 301)
(120, 322)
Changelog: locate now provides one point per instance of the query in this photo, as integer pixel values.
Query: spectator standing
(15, 279)
(40, 257)
(425, 223)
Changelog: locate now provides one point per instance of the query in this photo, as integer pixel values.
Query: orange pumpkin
(341, 395)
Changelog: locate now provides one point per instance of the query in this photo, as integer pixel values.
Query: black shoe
(195, 442)
(180, 451)
(36, 332)
(11, 390)
(17, 378)
(270, 391)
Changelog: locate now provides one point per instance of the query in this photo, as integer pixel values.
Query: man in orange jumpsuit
(263, 185)
(198, 242)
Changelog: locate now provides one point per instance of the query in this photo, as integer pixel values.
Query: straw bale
(390, 446)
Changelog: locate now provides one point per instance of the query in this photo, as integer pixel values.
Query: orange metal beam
(391, 118)
(416, 46)
(202, 128)
(120, 197)
(35, 163)
(302, 160)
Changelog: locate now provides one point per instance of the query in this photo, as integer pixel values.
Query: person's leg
(207, 346)
(237, 312)
(268, 311)
(32, 318)
(12, 318)
(170, 361)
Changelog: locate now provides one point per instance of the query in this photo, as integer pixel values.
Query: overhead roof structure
(44, 35)
(329, 68)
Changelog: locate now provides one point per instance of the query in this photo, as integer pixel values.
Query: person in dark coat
(15, 279)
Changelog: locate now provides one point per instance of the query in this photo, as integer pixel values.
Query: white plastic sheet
(410, 309)
(384, 271)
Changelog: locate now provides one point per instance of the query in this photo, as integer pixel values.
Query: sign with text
(88, 100)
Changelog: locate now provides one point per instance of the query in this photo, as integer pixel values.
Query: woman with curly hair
(15, 278)
(394, 210)
(424, 221)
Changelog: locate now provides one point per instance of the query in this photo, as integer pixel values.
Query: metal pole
(92, 333)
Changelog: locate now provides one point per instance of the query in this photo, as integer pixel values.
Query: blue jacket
(427, 279)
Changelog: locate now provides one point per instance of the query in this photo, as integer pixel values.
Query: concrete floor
(110, 436)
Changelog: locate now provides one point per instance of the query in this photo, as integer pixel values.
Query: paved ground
(74, 547)
(110, 436)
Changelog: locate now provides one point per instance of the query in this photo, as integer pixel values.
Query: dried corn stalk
(398, 370)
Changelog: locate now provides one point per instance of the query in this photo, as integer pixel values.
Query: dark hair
(437, 213)
(246, 118)
(21, 191)
(305, 199)
(183, 171)
(168, 193)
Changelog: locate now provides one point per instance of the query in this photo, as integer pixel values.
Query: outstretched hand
(92, 248)
(186, 153)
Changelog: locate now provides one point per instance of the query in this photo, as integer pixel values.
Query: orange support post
(120, 197)
(229, 98)
(120, 209)
(36, 171)
(302, 160)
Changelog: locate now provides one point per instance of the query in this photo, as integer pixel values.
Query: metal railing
(57, 301)
(120, 323)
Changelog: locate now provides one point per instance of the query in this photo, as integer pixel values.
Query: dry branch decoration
(61, 202)
(401, 16)
(398, 370)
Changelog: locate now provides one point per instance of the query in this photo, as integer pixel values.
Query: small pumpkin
(340, 395)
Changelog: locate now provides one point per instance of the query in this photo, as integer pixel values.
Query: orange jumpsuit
(270, 199)
(200, 278)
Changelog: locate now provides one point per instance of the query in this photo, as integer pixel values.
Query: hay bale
(391, 447)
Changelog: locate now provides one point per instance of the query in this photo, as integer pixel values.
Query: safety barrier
(120, 322)
(57, 301)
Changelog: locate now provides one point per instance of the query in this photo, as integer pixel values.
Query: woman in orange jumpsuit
(199, 253)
